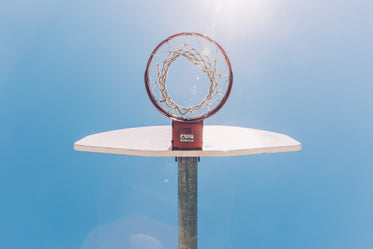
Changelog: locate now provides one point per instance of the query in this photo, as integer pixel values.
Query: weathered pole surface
(187, 194)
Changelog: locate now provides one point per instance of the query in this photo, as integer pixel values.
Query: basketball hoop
(187, 132)
(210, 57)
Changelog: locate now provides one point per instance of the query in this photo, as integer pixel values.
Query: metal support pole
(187, 192)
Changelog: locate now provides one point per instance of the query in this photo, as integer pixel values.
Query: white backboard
(155, 141)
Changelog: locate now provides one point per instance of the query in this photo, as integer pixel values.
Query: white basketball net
(201, 52)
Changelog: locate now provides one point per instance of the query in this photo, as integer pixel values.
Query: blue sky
(73, 68)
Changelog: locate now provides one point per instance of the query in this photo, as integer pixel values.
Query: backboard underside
(155, 141)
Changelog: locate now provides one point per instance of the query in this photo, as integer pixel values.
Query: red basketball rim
(201, 117)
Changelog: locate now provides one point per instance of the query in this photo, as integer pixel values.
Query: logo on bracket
(189, 138)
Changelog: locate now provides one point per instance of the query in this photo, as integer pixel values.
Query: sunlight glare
(238, 17)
